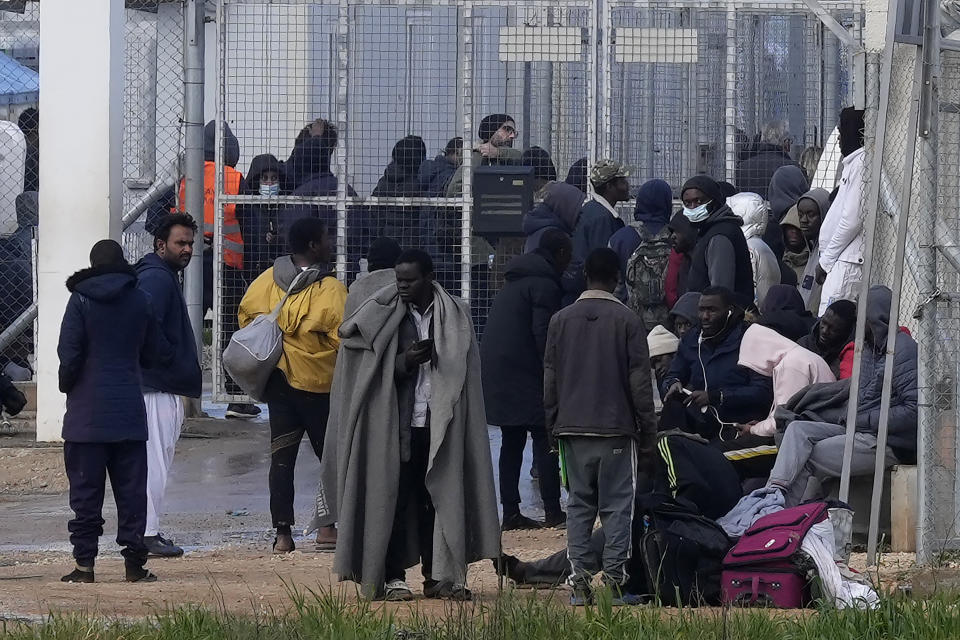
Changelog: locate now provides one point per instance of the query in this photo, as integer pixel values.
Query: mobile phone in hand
(422, 345)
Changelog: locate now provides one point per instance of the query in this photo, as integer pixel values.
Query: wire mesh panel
(408, 110)
(19, 177)
(938, 228)
(531, 63)
(668, 85)
(152, 118)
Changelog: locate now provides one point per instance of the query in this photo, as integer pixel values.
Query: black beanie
(709, 187)
(490, 124)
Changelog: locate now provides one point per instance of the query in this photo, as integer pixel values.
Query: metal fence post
(343, 148)
(894, 326)
(870, 222)
(193, 48)
(927, 345)
(193, 45)
(466, 240)
(730, 111)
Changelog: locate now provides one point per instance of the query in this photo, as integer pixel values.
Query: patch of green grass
(332, 616)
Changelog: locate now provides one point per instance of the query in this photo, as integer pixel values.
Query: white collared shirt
(421, 397)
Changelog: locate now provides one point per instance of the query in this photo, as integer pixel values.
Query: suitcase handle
(754, 595)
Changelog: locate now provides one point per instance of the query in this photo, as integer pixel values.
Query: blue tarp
(18, 84)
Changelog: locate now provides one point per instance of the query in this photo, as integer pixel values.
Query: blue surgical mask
(270, 189)
(697, 214)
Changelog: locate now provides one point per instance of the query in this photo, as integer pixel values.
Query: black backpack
(681, 557)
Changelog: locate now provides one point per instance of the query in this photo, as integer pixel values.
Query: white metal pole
(193, 48)
(894, 326)
(466, 204)
(870, 222)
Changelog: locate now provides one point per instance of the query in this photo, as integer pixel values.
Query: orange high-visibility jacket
(232, 239)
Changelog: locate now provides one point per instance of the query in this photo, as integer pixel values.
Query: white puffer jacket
(753, 210)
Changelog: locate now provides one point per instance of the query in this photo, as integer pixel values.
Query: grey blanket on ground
(363, 288)
(821, 402)
(751, 508)
(360, 469)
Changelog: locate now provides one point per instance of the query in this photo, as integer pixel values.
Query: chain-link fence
(153, 96)
(375, 117)
(19, 177)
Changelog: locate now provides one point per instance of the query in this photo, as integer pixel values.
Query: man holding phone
(406, 471)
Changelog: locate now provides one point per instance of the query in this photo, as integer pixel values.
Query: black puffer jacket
(511, 352)
(725, 264)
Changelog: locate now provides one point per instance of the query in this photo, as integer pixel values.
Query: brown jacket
(597, 372)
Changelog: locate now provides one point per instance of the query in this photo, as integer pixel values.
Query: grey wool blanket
(360, 470)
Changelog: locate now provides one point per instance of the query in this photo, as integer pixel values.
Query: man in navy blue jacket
(108, 332)
(164, 385)
(708, 393)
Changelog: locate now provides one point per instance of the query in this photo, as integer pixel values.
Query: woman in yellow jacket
(298, 393)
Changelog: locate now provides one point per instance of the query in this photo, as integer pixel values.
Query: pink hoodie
(792, 368)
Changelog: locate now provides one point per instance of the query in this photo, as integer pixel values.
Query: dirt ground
(244, 578)
(218, 509)
(249, 579)
(32, 470)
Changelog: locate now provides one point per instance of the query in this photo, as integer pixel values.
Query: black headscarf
(851, 130)
(577, 175)
(409, 152)
(709, 187)
(261, 163)
(539, 159)
(728, 189)
(783, 311)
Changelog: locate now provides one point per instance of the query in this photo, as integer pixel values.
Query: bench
(898, 508)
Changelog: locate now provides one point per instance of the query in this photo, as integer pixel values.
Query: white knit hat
(661, 342)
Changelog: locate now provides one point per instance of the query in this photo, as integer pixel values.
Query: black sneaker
(518, 522)
(555, 520)
(446, 591)
(136, 573)
(160, 547)
(242, 411)
(79, 575)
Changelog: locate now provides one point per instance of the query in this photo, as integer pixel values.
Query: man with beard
(158, 275)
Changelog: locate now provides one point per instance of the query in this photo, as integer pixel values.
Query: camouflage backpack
(646, 276)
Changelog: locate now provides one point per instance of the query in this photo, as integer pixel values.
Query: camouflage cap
(606, 170)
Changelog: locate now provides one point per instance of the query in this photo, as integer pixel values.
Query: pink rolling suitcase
(760, 568)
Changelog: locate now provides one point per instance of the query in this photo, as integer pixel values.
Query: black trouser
(513, 441)
(413, 501)
(87, 465)
(292, 413)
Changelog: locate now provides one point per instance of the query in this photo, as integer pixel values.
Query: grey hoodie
(284, 272)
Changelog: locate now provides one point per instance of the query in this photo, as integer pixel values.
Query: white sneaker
(397, 591)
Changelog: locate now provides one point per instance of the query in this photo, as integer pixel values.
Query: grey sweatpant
(815, 450)
(602, 479)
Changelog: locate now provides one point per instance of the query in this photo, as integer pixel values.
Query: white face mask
(697, 214)
(269, 189)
